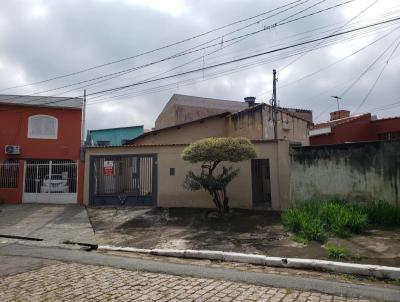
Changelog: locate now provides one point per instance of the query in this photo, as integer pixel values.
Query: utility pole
(338, 98)
(274, 106)
(83, 125)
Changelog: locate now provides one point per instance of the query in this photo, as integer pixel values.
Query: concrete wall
(297, 130)
(170, 192)
(358, 171)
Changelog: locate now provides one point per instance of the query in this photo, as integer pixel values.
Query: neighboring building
(40, 141)
(149, 170)
(178, 122)
(185, 108)
(343, 128)
(112, 136)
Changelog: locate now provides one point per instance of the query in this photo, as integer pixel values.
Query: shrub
(210, 152)
(312, 221)
(382, 213)
(335, 252)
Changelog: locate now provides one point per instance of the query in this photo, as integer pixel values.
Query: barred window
(42, 126)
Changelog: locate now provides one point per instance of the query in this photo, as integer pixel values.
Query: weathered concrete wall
(358, 171)
(289, 127)
(171, 193)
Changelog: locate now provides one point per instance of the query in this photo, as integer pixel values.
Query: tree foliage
(211, 152)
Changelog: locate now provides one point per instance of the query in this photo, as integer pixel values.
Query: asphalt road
(20, 258)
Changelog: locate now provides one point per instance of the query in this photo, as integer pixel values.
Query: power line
(187, 51)
(377, 79)
(249, 57)
(332, 64)
(191, 50)
(348, 22)
(153, 50)
(238, 60)
(367, 69)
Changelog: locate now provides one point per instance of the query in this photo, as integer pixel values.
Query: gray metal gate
(123, 180)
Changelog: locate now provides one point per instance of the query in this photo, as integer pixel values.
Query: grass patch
(313, 221)
(335, 252)
(316, 220)
(383, 214)
(395, 282)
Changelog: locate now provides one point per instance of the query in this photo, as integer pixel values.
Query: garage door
(49, 181)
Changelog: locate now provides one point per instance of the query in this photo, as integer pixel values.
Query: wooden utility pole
(274, 105)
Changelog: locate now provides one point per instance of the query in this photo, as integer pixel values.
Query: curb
(377, 271)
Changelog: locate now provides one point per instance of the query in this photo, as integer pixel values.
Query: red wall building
(343, 128)
(40, 145)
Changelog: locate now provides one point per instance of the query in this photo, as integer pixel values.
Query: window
(172, 171)
(103, 143)
(42, 126)
(9, 174)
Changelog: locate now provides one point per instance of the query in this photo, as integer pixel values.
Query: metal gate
(48, 181)
(123, 180)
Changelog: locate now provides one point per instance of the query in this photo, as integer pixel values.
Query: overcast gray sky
(44, 39)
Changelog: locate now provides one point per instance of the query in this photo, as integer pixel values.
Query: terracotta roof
(45, 101)
(339, 121)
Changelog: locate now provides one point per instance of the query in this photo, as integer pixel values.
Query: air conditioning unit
(12, 149)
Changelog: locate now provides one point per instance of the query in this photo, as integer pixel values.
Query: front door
(261, 183)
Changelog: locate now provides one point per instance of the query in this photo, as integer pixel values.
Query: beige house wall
(248, 123)
(297, 130)
(186, 134)
(170, 191)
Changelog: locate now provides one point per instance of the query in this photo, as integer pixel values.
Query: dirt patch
(247, 231)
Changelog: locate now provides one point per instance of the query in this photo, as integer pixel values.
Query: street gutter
(256, 278)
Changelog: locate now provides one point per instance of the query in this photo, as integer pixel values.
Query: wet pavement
(48, 224)
(246, 231)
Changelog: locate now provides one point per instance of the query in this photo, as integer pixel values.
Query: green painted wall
(115, 136)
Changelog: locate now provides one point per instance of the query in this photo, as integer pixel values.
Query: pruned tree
(211, 152)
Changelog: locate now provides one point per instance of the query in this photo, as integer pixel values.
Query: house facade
(344, 128)
(227, 118)
(149, 170)
(40, 141)
(153, 175)
(112, 136)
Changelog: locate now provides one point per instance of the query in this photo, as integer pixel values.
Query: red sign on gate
(108, 169)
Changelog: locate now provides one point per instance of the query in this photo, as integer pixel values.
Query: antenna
(337, 100)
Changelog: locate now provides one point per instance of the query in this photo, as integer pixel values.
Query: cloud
(73, 35)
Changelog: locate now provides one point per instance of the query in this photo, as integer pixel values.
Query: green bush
(382, 213)
(312, 221)
(335, 252)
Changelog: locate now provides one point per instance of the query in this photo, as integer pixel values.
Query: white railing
(9, 175)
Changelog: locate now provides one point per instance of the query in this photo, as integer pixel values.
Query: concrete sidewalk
(54, 224)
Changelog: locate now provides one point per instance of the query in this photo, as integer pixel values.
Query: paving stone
(77, 282)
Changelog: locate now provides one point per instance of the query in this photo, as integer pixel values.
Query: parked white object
(56, 184)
